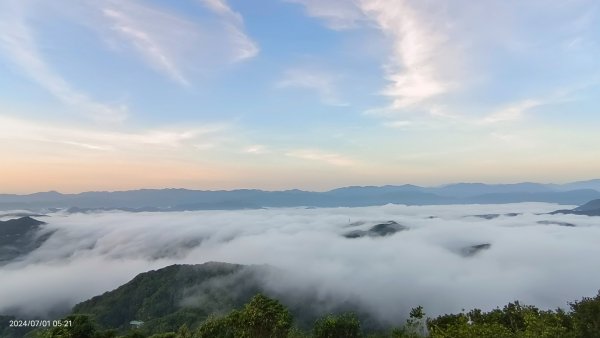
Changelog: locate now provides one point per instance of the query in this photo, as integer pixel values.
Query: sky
(536, 263)
(309, 94)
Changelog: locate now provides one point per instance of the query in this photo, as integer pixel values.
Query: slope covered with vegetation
(226, 300)
(266, 317)
(173, 296)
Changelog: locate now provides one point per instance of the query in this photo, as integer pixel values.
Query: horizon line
(298, 189)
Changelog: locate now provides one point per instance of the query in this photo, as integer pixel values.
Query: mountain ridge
(176, 199)
(19, 236)
(166, 298)
(591, 208)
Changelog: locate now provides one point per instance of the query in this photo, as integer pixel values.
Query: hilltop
(591, 208)
(20, 236)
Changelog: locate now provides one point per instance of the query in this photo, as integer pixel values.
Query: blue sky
(311, 94)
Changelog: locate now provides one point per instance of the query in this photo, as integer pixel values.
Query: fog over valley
(387, 259)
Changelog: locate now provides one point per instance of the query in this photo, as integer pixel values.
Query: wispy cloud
(166, 41)
(413, 70)
(321, 156)
(338, 14)
(245, 46)
(256, 149)
(173, 44)
(18, 44)
(322, 83)
(439, 55)
(145, 37)
(222, 8)
(516, 111)
(512, 112)
(103, 140)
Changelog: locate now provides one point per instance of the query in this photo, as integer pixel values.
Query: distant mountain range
(183, 199)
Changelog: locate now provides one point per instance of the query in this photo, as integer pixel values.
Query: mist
(546, 265)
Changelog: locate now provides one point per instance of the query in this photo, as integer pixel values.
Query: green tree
(164, 335)
(106, 334)
(463, 327)
(264, 317)
(134, 334)
(586, 316)
(218, 327)
(298, 333)
(74, 326)
(415, 326)
(184, 332)
(546, 324)
(261, 317)
(345, 325)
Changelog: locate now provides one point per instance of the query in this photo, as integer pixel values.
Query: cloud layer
(540, 264)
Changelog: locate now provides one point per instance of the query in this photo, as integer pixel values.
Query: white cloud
(149, 36)
(169, 43)
(338, 14)
(321, 82)
(527, 261)
(321, 156)
(15, 129)
(512, 112)
(413, 71)
(222, 8)
(173, 44)
(517, 110)
(245, 47)
(256, 149)
(417, 45)
(442, 55)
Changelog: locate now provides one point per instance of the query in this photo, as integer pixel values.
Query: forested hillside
(266, 317)
(226, 300)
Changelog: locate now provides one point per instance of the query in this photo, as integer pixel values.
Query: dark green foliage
(172, 322)
(79, 326)
(519, 321)
(547, 324)
(184, 332)
(164, 335)
(295, 332)
(11, 332)
(586, 316)
(134, 334)
(106, 334)
(331, 326)
(164, 299)
(265, 317)
(218, 327)
(261, 317)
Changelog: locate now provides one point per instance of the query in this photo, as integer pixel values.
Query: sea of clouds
(540, 264)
